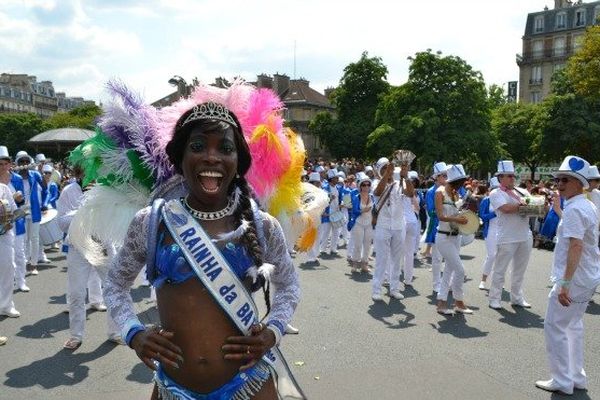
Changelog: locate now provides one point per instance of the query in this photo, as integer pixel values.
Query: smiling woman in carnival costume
(206, 243)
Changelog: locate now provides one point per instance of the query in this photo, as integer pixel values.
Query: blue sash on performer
(223, 284)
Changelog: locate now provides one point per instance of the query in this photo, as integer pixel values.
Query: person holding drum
(514, 237)
(448, 240)
(7, 254)
(333, 218)
(14, 181)
(490, 231)
(360, 224)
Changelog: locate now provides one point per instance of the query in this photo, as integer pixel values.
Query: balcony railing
(536, 81)
(543, 55)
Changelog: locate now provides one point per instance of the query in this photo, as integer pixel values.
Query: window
(559, 46)
(596, 14)
(561, 20)
(538, 48)
(536, 75)
(538, 24)
(580, 17)
(535, 97)
(577, 40)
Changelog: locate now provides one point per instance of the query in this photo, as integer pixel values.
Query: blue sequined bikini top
(172, 267)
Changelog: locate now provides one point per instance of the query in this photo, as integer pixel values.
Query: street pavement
(348, 346)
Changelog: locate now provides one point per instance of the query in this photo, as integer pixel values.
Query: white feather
(233, 235)
(266, 270)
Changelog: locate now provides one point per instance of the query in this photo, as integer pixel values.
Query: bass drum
(466, 239)
(49, 230)
(337, 219)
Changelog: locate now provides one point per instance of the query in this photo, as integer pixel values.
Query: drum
(337, 219)
(49, 230)
(472, 224)
(8, 217)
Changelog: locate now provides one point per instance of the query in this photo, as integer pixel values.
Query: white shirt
(579, 221)
(391, 212)
(512, 228)
(67, 205)
(409, 208)
(594, 197)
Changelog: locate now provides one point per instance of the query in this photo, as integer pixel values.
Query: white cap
(593, 173)
(319, 168)
(456, 172)
(314, 177)
(576, 167)
(368, 168)
(413, 175)
(47, 168)
(494, 182)
(40, 157)
(361, 176)
(340, 179)
(341, 174)
(4, 152)
(331, 173)
(22, 154)
(382, 162)
(505, 167)
(439, 168)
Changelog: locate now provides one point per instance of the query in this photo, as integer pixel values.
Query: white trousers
(563, 331)
(81, 275)
(32, 242)
(361, 237)
(518, 253)
(454, 273)
(7, 270)
(20, 260)
(328, 235)
(491, 245)
(388, 247)
(436, 267)
(411, 243)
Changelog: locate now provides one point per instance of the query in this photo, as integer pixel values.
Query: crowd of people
(205, 238)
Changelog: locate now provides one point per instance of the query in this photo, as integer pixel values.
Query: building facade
(23, 93)
(551, 37)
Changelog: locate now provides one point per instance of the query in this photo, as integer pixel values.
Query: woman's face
(365, 187)
(209, 164)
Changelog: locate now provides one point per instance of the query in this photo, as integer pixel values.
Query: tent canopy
(62, 139)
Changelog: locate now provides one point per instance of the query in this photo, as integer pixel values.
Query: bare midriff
(201, 328)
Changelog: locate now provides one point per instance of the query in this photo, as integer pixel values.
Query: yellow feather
(286, 197)
(308, 238)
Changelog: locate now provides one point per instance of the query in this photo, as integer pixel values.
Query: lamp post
(181, 85)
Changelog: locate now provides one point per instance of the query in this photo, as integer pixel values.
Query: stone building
(551, 37)
(23, 93)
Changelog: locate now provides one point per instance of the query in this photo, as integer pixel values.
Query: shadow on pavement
(380, 311)
(140, 373)
(593, 308)
(312, 266)
(577, 395)
(140, 293)
(466, 257)
(62, 299)
(45, 327)
(62, 369)
(456, 325)
(362, 277)
(521, 318)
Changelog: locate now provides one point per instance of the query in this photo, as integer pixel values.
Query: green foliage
(442, 112)
(80, 117)
(356, 100)
(383, 140)
(583, 68)
(16, 129)
(496, 96)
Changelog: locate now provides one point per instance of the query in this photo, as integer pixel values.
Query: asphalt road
(348, 347)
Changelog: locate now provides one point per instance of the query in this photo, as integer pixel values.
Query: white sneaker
(44, 260)
(495, 305)
(482, 285)
(377, 297)
(3, 340)
(522, 303)
(552, 386)
(11, 313)
(34, 272)
(396, 295)
(24, 288)
(98, 306)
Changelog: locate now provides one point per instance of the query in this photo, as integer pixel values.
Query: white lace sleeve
(125, 267)
(284, 279)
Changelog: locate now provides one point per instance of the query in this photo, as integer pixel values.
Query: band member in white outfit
(413, 231)
(7, 258)
(490, 232)
(361, 229)
(390, 227)
(575, 274)
(439, 174)
(514, 238)
(448, 240)
(329, 233)
(592, 193)
(80, 273)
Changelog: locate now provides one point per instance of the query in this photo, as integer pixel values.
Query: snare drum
(49, 230)
(472, 224)
(337, 219)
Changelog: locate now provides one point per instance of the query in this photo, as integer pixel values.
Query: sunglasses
(365, 184)
(561, 180)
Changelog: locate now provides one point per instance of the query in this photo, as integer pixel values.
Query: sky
(80, 44)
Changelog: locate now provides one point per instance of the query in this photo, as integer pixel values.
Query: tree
(80, 117)
(382, 141)
(583, 68)
(325, 127)
(356, 100)
(442, 112)
(16, 129)
(519, 128)
(496, 96)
